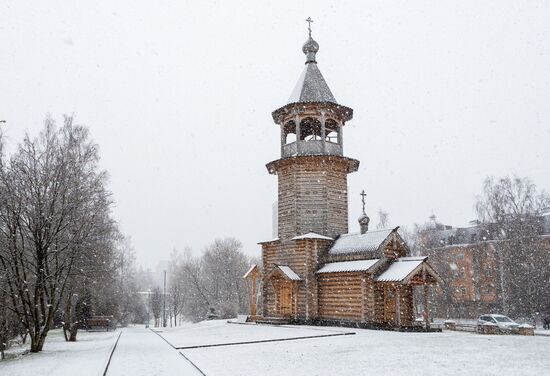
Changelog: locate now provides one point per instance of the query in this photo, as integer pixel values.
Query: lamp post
(164, 303)
(148, 307)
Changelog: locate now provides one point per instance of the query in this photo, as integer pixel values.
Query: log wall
(340, 296)
(302, 256)
(312, 196)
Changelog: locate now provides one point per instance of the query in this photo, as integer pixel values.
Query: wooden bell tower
(312, 170)
(312, 192)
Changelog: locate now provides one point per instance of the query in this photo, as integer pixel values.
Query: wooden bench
(100, 323)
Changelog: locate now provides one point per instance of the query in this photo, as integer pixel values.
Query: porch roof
(405, 268)
(253, 269)
(286, 272)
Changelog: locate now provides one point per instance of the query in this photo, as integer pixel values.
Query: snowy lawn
(87, 356)
(369, 352)
(220, 332)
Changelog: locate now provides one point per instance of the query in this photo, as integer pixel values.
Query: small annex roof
(348, 266)
(269, 241)
(401, 269)
(357, 242)
(289, 273)
(311, 235)
(250, 271)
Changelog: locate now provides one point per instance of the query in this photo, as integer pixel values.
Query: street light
(164, 302)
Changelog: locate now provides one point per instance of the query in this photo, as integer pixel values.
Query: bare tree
(54, 209)
(384, 219)
(156, 305)
(177, 290)
(512, 207)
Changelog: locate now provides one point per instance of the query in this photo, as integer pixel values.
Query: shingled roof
(355, 243)
(311, 87)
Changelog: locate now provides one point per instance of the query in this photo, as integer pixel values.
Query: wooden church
(316, 271)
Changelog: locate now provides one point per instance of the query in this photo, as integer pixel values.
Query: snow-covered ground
(87, 356)
(369, 352)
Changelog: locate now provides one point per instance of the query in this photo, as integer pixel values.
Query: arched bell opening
(310, 129)
(311, 135)
(332, 131)
(289, 132)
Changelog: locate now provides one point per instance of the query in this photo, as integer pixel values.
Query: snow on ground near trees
(369, 352)
(87, 356)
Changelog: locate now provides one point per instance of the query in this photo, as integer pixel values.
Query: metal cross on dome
(309, 21)
(363, 195)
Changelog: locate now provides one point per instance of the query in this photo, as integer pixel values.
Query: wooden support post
(426, 308)
(363, 297)
(253, 297)
(323, 132)
(283, 139)
(341, 135)
(298, 133)
(398, 305)
(295, 298)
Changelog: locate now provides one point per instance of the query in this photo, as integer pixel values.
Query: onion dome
(310, 48)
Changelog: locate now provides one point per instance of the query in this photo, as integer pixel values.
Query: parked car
(504, 323)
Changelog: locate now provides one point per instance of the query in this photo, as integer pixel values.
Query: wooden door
(389, 304)
(285, 299)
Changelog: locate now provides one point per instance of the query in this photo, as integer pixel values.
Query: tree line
(62, 257)
(205, 286)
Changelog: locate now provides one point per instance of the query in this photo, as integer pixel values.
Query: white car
(504, 323)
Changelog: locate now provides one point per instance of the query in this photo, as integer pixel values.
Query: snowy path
(142, 352)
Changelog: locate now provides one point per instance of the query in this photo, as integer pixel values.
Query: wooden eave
(254, 271)
(273, 166)
(269, 241)
(338, 111)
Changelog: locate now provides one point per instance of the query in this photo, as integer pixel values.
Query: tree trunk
(73, 332)
(37, 342)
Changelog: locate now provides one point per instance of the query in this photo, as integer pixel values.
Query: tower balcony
(311, 147)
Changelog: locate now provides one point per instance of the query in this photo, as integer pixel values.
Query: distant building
(470, 261)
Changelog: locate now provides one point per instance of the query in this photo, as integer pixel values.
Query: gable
(372, 244)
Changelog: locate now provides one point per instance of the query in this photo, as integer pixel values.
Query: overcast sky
(179, 94)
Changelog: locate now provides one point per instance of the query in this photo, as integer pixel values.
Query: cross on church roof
(309, 21)
(363, 195)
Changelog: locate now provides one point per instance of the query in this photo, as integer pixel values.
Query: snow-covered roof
(311, 87)
(269, 241)
(401, 269)
(352, 243)
(254, 266)
(311, 235)
(289, 273)
(348, 266)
